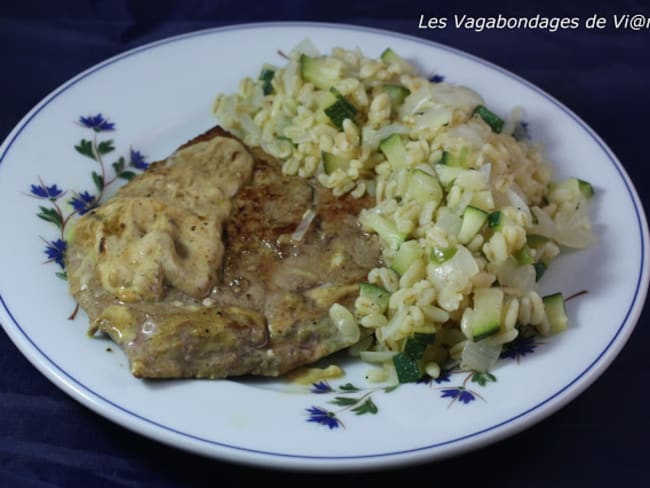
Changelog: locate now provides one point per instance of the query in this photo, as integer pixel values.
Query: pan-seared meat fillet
(212, 263)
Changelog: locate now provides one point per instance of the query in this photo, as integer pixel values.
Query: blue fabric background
(600, 439)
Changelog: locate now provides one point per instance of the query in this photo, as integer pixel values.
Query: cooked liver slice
(255, 301)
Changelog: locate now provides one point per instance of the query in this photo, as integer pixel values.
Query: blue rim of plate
(65, 380)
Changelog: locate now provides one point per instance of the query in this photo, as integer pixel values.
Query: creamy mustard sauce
(164, 229)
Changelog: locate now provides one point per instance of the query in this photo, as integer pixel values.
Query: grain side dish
(465, 205)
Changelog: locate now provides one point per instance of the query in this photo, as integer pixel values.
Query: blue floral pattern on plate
(349, 398)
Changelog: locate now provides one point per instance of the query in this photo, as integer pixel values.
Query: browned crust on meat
(259, 318)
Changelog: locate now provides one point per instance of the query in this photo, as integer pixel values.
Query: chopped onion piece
(455, 96)
(303, 226)
(519, 279)
(486, 170)
(545, 225)
(471, 133)
(306, 46)
(573, 227)
(415, 101)
(518, 202)
(455, 273)
(480, 356)
(372, 137)
(345, 322)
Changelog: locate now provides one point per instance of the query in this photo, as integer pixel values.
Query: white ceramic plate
(157, 97)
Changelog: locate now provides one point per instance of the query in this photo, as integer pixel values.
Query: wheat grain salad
(466, 205)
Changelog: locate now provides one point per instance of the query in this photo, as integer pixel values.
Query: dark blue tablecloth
(600, 439)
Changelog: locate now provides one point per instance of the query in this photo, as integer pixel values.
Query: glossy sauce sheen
(195, 270)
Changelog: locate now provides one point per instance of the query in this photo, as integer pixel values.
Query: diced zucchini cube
(376, 294)
(408, 253)
(523, 256)
(394, 151)
(386, 229)
(585, 188)
(340, 110)
(408, 369)
(441, 254)
(397, 94)
(569, 189)
(556, 312)
(495, 220)
(473, 220)
(486, 319)
(322, 71)
(332, 162)
(483, 199)
(389, 56)
(447, 174)
(423, 187)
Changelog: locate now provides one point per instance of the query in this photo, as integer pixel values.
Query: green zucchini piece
(455, 160)
(408, 253)
(386, 229)
(483, 199)
(536, 240)
(389, 56)
(486, 320)
(574, 187)
(332, 162)
(555, 308)
(323, 72)
(523, 256)
(447, 174)
(340, 110)
(461, 158)
(494, 121)
(495, 220)
(397, 94)
(376, 294)
(473, 220)
(414, 348)
(423, 187)
(424, 337)
(409, 370)
(394, 151)
(266, 76)
(585, 188)
(415, 345)
(441, 254)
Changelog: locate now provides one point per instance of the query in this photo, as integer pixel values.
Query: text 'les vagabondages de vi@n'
(624, 21)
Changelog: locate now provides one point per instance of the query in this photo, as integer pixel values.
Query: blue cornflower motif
(323, 417)
(43, 191)
(321, 387)
(83, 202)
(437, 79)
(458, 393)
(96, 122)
(55, 251)
(138, 160)
(518, 348)
(443, 377)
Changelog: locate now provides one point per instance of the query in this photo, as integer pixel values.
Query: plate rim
(238, 454)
